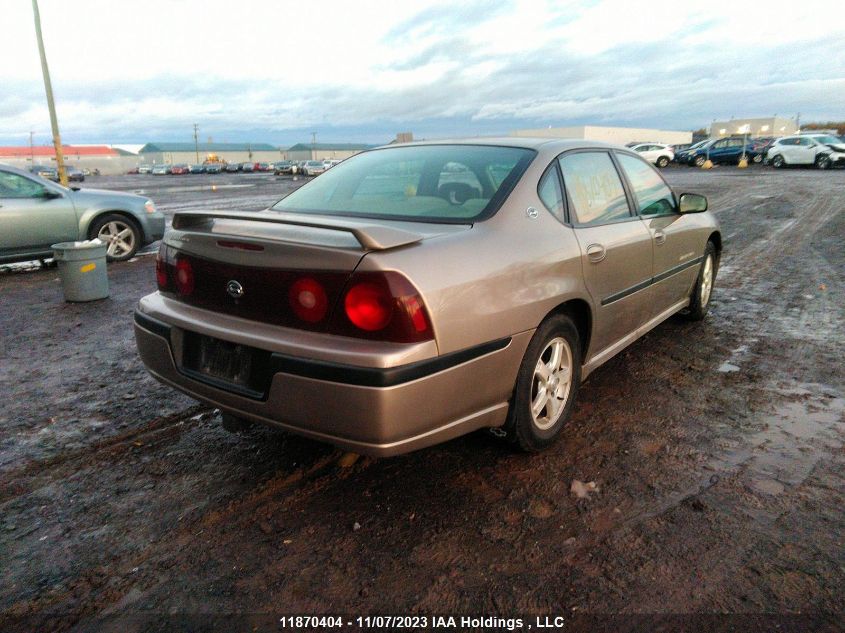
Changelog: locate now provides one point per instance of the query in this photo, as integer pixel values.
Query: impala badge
(235, 289)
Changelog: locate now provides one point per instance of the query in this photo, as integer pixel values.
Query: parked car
(196, 169)
(45, 171)
(820, 150)
(36, 213)
(393, 303)
(160, 170)
(213, 168)
(682, 155)
(74, 174)
(313, 167)
(656, 153)
(283, 167)
(722, 151)
(759, 147)
(145, 169)
(87, 172)
(247, 167)
(180, 170)
(233, 167)
(261, 167)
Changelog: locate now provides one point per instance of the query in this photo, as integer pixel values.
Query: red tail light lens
(308, 299)
(382, 306)
(184, 276)
(369, 306)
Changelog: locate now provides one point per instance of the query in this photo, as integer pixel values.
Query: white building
(616, 135)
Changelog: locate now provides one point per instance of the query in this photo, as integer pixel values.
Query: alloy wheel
(706, 280)
(118, 237)
(551, 384)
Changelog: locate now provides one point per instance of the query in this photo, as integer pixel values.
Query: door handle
(596, 253)
(659, 236)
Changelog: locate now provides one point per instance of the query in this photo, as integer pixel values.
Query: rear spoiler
(374, 237)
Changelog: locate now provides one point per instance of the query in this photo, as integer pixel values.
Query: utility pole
(313, 146)
(196, 142)
(31, 149)
(54, 123)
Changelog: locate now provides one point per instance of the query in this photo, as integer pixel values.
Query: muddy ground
(718, 451)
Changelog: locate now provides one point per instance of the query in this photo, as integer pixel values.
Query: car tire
(703, 289)
(699, 161)
(758, 158)
(536, 416)
(662, 162)
(778, 162)
(822, 162)
(121, 235)
(234, 424)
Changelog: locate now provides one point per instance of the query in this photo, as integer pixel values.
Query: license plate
(223, 360)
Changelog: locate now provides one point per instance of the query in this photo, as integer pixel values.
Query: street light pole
(196, 142)
(31, 149)
(48, 86)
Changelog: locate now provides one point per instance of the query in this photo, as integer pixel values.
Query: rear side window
(550, 193)
(652, 194)
(594, 187)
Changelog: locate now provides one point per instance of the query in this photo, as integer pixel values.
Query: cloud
(487, 66)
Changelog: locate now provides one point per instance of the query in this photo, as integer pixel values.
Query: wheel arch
(581, 313)
(716, 238)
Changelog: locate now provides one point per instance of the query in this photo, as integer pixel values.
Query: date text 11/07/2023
(422, 622)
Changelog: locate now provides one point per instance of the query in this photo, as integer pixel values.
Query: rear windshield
(430, 183)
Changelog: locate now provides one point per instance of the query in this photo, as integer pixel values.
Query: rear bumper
(369, 410)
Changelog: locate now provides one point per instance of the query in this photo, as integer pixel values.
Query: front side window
(16, 186)
(653, 196)
(594, 187)
(434, 183)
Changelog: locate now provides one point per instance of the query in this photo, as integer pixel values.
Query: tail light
(184, 276)
(368, 306)
(161, 269)
(381, 306)
(308, 299)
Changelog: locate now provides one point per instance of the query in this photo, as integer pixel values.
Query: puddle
(727, 367)
(801, 430)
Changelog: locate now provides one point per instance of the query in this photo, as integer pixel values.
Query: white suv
(821, 150)
(657, 153)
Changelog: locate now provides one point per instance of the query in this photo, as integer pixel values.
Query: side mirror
(692, 203)
(50, 195)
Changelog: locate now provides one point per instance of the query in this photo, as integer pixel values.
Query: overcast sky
(137, 71)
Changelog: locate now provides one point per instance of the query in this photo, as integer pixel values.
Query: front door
(31, 219)
(676, 245)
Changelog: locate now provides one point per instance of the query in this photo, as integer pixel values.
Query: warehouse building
(190, 153)
(108, 160)
(322, 151)
(615, 135)
(764, 126)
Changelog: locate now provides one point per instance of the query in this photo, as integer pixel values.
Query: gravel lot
(718, 451)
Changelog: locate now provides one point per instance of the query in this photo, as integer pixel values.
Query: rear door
(805, 151)
(616, 250)
(676, 247)
(31, 221)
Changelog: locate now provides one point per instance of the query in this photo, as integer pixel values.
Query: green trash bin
(82, 269)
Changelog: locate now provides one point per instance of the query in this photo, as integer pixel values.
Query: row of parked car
(820, 150)
(52, 173)
(305, 167)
